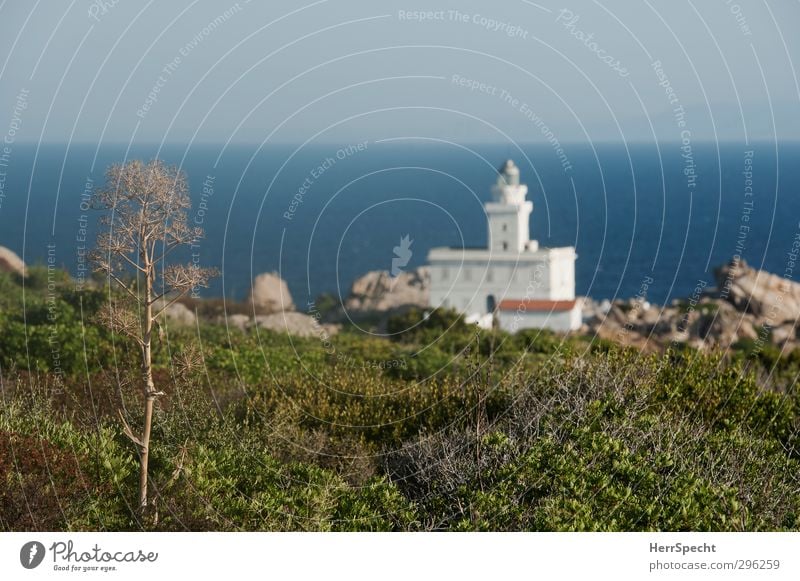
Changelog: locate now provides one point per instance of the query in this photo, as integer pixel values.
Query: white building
(512, 279)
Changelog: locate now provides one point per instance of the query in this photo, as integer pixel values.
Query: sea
(647, 219)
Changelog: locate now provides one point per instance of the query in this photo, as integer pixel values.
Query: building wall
(561, 321)
(562, 277)
(465, 286)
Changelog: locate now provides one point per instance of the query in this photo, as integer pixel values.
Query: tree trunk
(145, 452)
(149, 396)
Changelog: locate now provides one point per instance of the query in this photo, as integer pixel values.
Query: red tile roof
(535, 305)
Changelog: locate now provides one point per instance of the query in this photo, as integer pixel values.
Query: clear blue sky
(177, 70)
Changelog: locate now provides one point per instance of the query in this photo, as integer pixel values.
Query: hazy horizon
(102, 71)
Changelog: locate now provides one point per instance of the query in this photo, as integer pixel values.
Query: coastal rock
(177, 313)
(237, 321)
(651, 317)
(379, 291)
(10, 262)
(722, 325)
(270, 294)
(297, 324)
(771, 298)
(592, 309)
(786, 333)
(711, 322)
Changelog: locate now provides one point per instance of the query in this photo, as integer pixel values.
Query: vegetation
(441, 427)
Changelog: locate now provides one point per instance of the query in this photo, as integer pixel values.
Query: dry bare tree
(145, 219)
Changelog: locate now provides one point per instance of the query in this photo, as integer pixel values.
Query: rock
(720, 324)
(657, 322)
(771, 298)
(610, 330)
(618, 314)
(270, 294)
(745, 300)
(237, 321)
(177, 313)
(378, 291)
(786, 333)
(10, 262)
(297, 324)
(651, 316)
(592, 309)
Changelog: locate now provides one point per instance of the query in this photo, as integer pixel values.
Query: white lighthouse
(512, 279)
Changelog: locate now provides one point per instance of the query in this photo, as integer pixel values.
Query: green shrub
(440, 426)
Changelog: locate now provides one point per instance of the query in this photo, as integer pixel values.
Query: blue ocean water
(322, 215)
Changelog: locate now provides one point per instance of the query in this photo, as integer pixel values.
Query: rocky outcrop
(379, 291)
(270, 294)
(769, 297)
(297, 324)
(237, 321)
(748, 305)
(10, 262)
(291, 322)
(177, 313)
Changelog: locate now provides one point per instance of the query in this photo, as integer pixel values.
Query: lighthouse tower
(512, 280)
(509, 213)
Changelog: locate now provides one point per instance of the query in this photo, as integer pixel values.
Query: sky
(192, 71)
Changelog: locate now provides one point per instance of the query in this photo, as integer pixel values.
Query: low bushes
(439, 427)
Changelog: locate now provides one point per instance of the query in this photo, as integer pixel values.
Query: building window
(505, 245)
(505, 227)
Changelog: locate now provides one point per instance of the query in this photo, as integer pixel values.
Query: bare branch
(124, 286)
(134, 264)
(126, 429)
